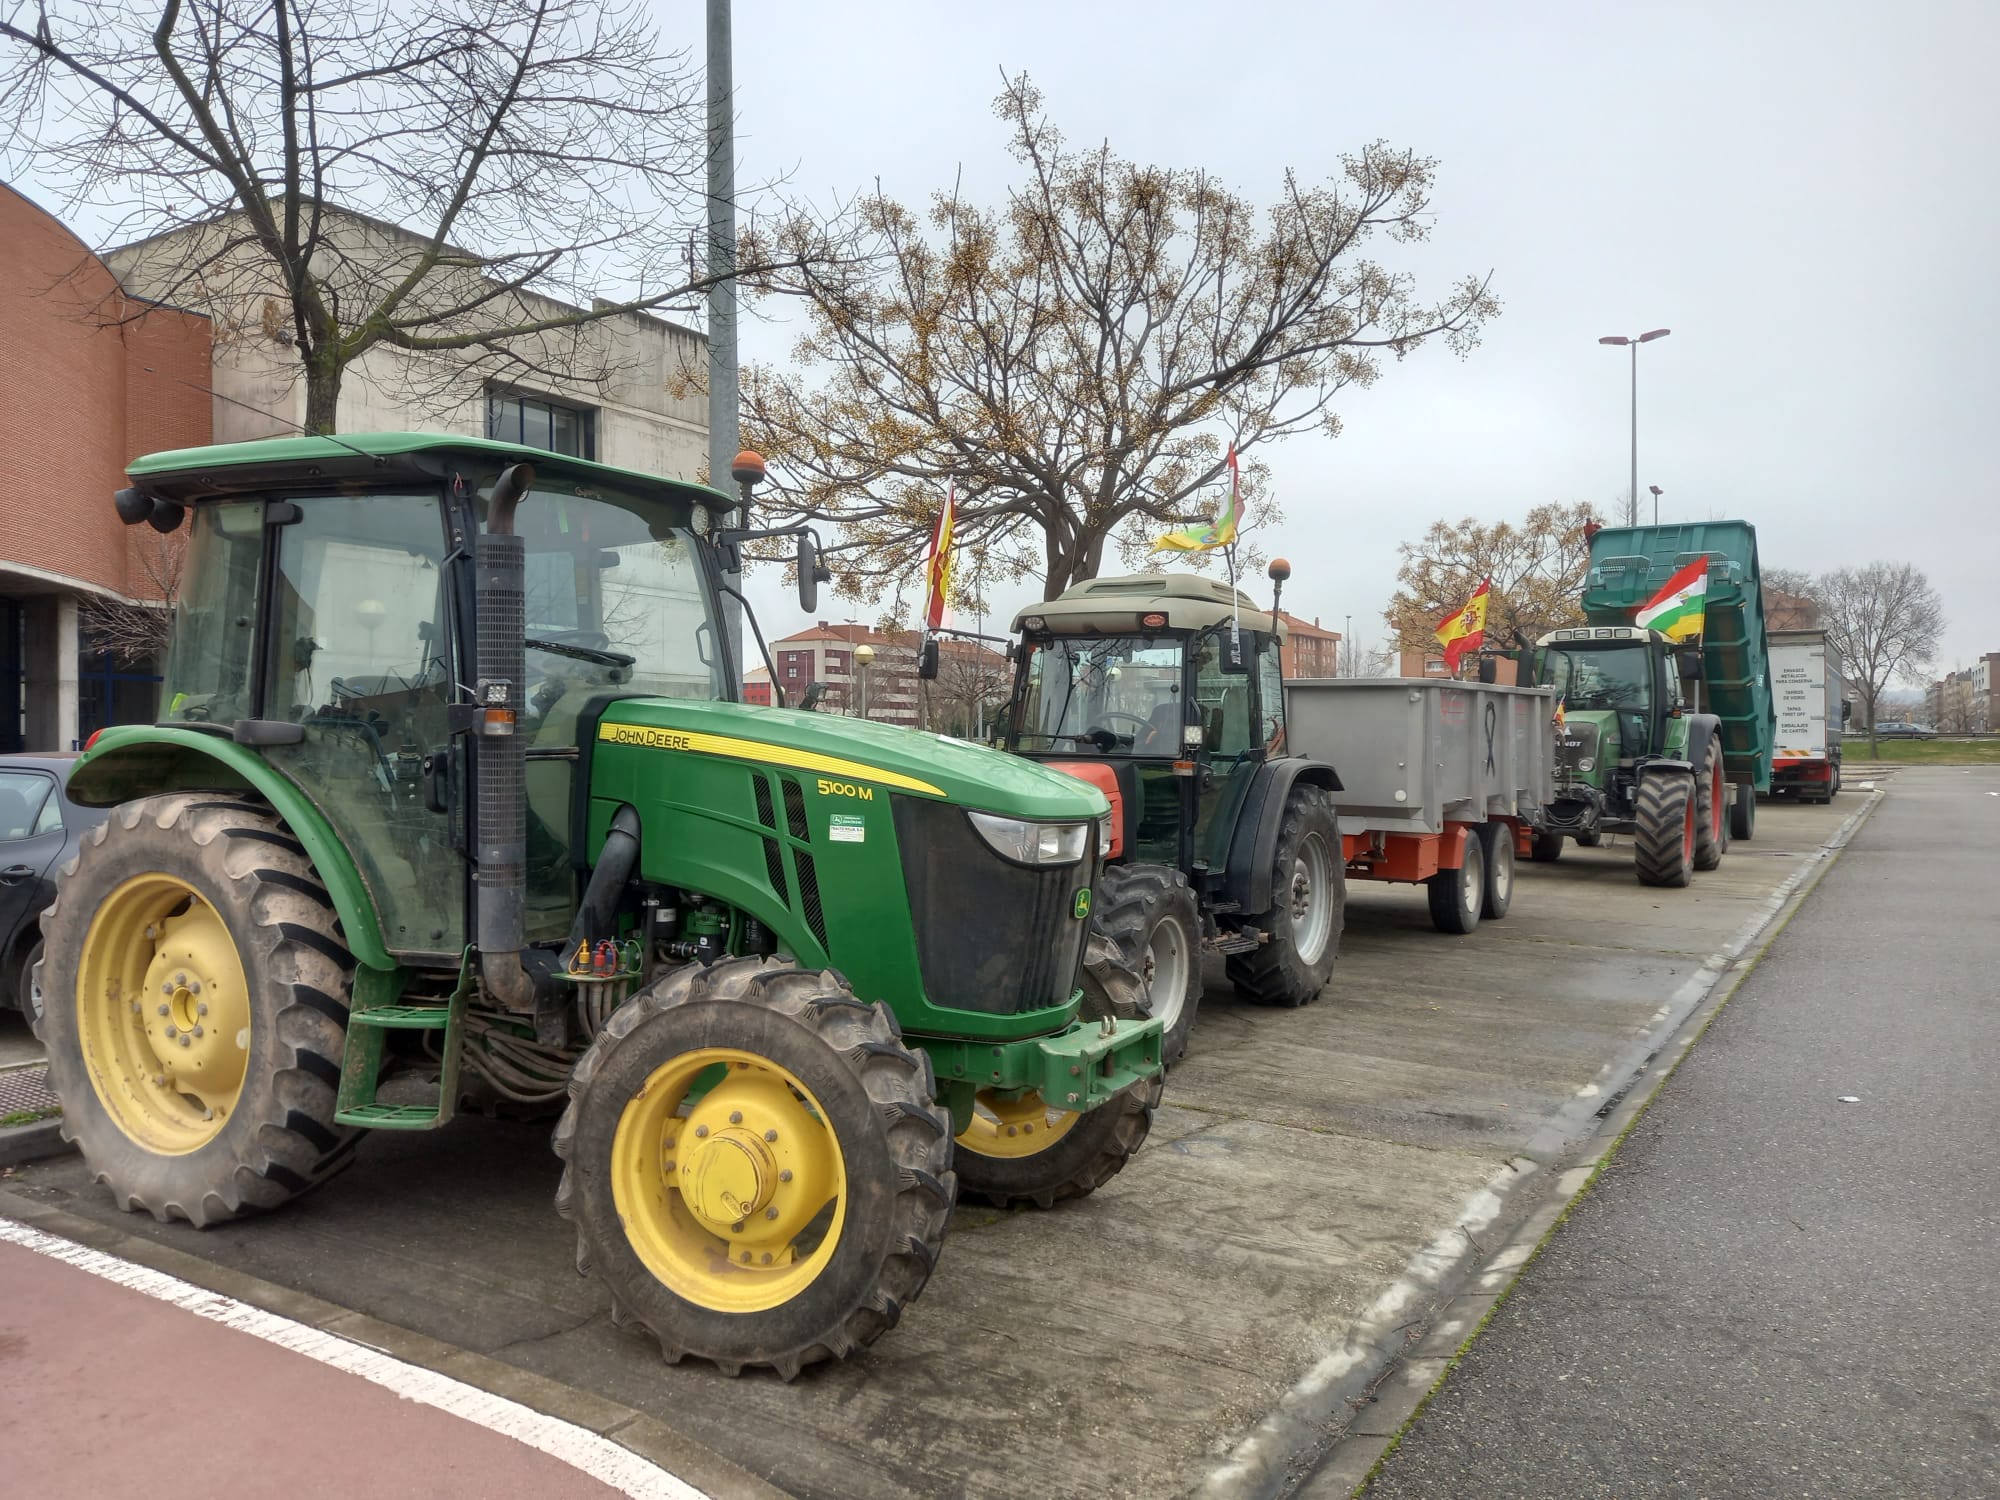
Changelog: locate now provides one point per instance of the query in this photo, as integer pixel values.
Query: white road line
(579, 1447)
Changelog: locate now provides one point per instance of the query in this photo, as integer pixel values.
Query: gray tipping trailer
(1441, 782)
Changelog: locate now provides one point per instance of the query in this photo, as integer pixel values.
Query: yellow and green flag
(1218, 533)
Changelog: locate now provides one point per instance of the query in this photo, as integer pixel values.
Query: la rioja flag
(1678, 609)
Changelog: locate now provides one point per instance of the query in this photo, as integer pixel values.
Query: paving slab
(1312, 1173)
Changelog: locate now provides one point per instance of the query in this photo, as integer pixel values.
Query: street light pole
(863, 655)
(1656, 492)
(1620, 340)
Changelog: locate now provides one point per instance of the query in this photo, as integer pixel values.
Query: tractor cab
(1163, 690)
(1623, 707)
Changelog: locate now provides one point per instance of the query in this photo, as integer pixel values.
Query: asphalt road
(1771, 1291)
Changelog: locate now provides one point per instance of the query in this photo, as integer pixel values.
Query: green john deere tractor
(1165, 691)
(1631, 755)
(452, 799)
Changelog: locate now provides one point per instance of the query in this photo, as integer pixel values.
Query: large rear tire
(195, 995)
(1458, 896)
(1019, 1151)
(1302, 928)
(1149, 962)
(1547, 846)
(1711, 811)
(1663, 840)
(755, 1166)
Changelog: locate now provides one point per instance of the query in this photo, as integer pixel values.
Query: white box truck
(1810, 693)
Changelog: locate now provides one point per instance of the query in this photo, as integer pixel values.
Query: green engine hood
(1591, 735)
(854, 751)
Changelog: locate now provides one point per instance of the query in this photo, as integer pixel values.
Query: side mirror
(809, 571)
(927, 661)
(814, 692)
(1846, 711)
(1489, 669)
(1691, 663)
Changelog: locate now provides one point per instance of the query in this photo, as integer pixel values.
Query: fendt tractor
(1164, 691)
(1667, 742)
(452, 801)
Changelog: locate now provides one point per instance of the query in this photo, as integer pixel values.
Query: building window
(538, 423)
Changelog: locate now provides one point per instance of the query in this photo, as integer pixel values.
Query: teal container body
(1630, 564)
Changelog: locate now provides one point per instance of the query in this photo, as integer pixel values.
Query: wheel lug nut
(201, 1009)
(770, 1135)
(736, 1117)
(767, 1257)
(737, 1227)
(746, 1257)
(1012, 1131)
(195, 988)
(152, 932)
(786, 1175)
(666, 1145)
(181, 980)
(184, 1040)
(197, 1031)
(163, 1010)
(171, 1032)
(770, 1213)
(166, 989)
(700, 1130)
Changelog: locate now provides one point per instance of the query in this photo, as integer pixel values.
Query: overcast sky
(1805, 193)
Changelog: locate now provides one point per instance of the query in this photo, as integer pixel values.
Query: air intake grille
(762, 787)
(809, 892)
(795, 810)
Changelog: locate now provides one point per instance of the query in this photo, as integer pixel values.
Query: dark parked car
(1903, 729)
(39, 829)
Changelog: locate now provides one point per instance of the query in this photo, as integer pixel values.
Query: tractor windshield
(1591, 677)
(1114, 694)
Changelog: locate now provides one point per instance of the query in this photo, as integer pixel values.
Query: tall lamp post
(863, 655)
(1656, 492)
(1632, 506)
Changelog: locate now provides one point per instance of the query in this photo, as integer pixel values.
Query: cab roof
(1572, 635)
(371, 458)
(1112, 606)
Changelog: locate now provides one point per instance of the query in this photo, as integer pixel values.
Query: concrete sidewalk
(112, 1387)
(1778, 1286)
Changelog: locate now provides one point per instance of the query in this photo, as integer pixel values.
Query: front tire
(755, 1166)
(1547, 846)
(1302, 928)
(1457, 896)
(1019, 1151)
(1149, 960)
(1663, 840)
(195, 993)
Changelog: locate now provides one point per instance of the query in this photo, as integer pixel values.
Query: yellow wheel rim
(734, 1198)
(1019, 1126)
(163, 1014)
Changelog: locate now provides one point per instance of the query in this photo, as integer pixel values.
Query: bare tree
(971, 683)
(1536, 566)
(1885, 620)
(1357, 660)
(1790, 599)
(268, 150)
(1079, 359)
(136, 632)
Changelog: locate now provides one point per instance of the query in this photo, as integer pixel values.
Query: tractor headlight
(1028, 843)
(1104, 837)
(1588, 763)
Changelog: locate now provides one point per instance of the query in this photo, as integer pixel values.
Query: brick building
(972, 680)
(90, 378)
(1309, 651)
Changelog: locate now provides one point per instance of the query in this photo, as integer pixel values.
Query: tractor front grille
(991, 936)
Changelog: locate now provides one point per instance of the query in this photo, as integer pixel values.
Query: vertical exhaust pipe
(500, 671)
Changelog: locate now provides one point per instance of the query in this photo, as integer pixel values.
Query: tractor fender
(1255, 843)
(147, 760)
(1702, 728)
(1662, 763)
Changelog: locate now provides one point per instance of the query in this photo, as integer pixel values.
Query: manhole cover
(26, 1091)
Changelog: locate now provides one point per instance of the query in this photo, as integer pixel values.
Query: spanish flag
(937, 571)
(1464, 629)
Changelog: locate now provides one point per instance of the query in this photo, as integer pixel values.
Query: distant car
(1903, 729)
(39, 830)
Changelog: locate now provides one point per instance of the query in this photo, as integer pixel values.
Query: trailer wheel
(1498, 842)
(1148, 962)
(1018, 1150)
(1663, 840)
(195, 994)
(755, 1166)
(1743, 813)
(1547, 846)
(1302, 930)
(1591, 839)
(1457, 896)
(1711, 820)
